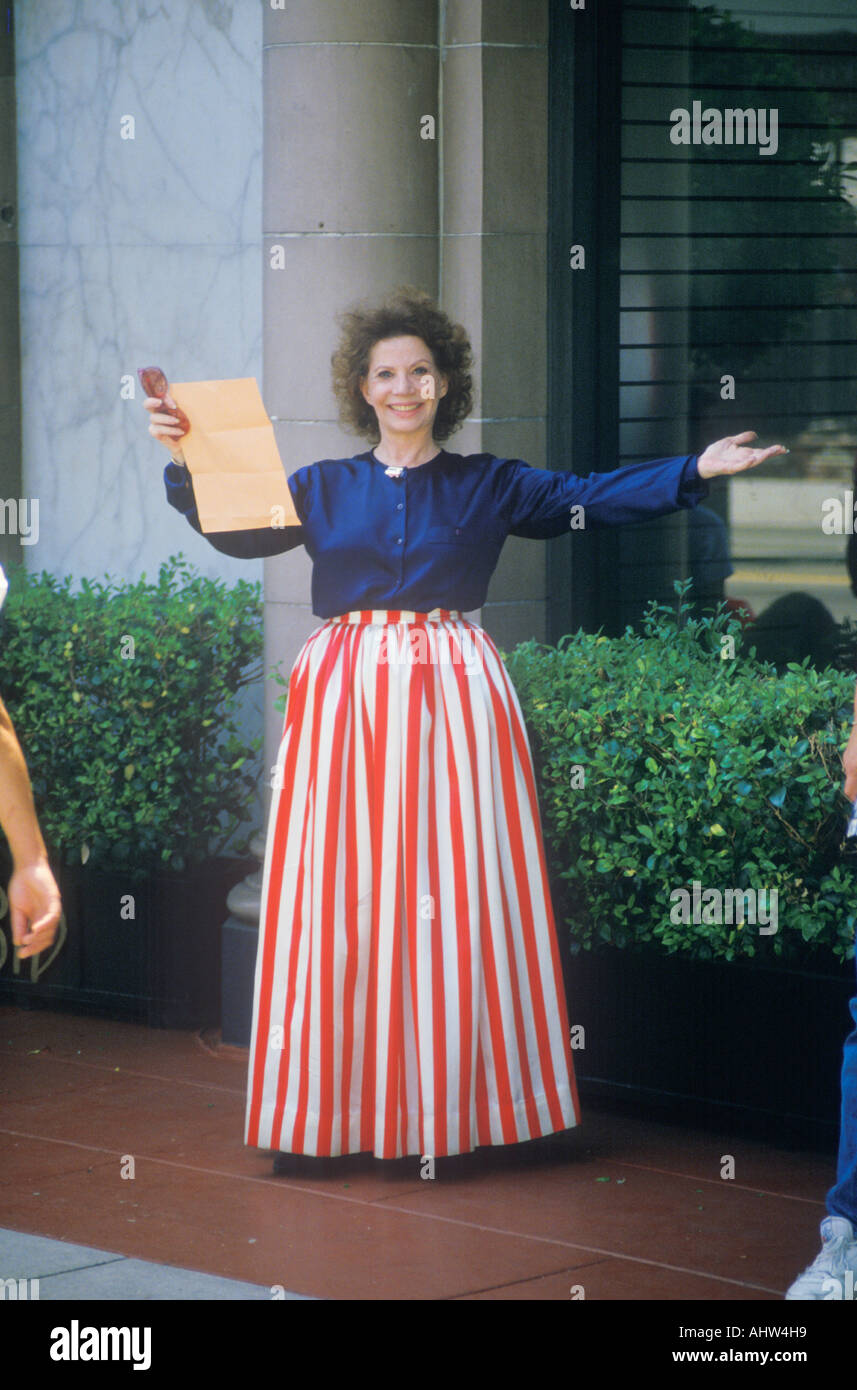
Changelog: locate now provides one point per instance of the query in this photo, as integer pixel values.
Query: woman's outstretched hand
(729, 456)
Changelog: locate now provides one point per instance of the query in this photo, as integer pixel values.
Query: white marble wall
(132, 252)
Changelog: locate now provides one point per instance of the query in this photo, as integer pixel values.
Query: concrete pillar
(351, 198)
(356, 201)
(493, 256)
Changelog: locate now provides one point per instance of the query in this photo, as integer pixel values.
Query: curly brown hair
(404, 313)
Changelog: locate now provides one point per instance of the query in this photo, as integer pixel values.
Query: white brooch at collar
(394, 472)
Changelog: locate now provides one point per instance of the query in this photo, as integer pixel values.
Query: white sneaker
(833, 1272)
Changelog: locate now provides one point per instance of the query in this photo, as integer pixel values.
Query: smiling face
(403, 386)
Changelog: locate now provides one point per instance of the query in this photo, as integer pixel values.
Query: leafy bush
(694, 769)
(124, 698)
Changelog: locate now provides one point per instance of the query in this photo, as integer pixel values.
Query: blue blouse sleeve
(537, 502)
(243, 545)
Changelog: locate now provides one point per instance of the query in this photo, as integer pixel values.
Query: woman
(408, 995)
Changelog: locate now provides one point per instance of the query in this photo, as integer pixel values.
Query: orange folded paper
(238, 477)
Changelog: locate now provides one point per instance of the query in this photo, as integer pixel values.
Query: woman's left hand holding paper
(168, 423)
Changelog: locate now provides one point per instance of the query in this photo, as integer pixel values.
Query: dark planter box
(757, 1049)
(139, 948)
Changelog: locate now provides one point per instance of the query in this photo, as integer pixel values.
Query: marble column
(139, 153)
(10, 359)
(139, 173)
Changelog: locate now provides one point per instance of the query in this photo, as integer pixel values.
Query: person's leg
(842, 1197)
(833, 1273)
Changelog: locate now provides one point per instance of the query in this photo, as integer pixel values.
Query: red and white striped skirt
(408, 995)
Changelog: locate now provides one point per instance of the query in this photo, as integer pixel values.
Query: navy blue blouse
(432, 537)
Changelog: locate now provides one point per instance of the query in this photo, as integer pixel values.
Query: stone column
(350, 211)
(494, 256)
(356, 202)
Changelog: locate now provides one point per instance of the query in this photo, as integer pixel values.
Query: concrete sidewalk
(48, 1270)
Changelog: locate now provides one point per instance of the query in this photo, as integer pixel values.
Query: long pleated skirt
(408, 990)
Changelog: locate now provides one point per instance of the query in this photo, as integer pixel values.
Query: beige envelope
(238, 478)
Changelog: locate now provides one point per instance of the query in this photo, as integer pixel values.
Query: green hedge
(693, 768)
(660, 763)
(124, 697)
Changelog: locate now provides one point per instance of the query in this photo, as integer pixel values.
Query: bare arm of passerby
(34, 900)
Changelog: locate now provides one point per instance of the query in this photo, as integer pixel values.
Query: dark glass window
(737, 294)
(719, 295)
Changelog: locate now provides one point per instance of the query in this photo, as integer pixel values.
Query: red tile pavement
(622, 1208)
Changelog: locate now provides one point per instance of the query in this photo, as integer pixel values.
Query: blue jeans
(842, 1197)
